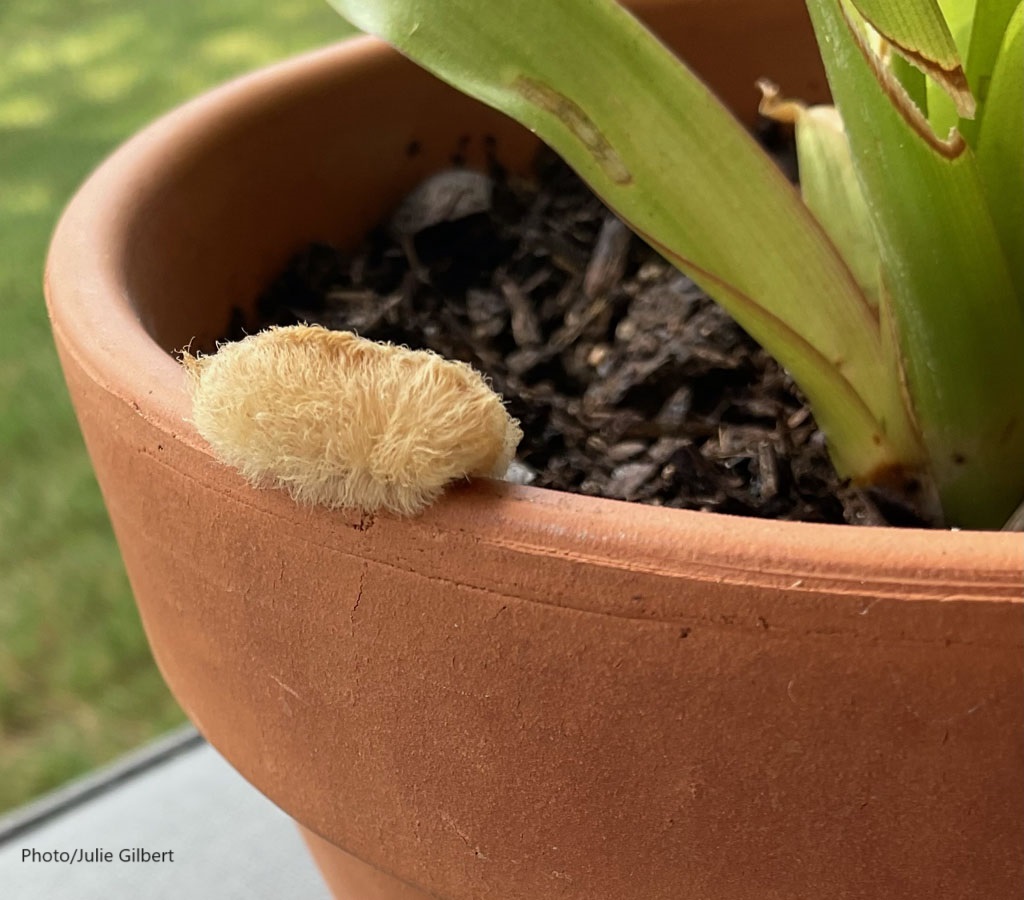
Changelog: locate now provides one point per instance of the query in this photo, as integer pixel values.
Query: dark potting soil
(629, 382)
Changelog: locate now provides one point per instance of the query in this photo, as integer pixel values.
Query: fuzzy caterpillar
(342, 421)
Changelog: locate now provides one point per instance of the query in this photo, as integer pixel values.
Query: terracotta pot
(522, 694)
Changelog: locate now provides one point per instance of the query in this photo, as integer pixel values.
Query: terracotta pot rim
(94, 320)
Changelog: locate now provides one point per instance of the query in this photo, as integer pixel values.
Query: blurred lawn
(77, 683)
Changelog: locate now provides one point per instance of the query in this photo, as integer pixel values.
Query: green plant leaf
(959, 16)
(828, 184)
(991, 22)
(917, 30)
(942, 109)
(657, 146)
(1001, 146)
(959, 320)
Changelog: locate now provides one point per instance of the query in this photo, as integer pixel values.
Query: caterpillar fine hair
(342, 421)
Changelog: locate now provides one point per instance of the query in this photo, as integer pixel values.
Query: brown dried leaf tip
(342, 421)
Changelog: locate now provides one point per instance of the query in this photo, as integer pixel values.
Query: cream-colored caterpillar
(342, 421)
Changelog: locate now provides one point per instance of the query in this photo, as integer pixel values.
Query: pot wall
(521, 694)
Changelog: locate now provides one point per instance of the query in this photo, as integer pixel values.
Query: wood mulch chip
(628, 381)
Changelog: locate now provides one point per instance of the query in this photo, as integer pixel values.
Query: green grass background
(77, 683)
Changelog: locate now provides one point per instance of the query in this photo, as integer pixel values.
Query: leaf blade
(958, 316)
(829, 185)
(1000, 146)
(917, 30)
(991, 22)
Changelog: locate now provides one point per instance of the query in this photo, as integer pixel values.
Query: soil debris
(628, 381)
